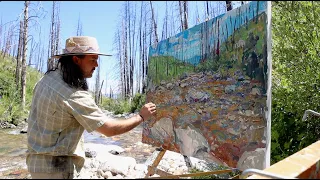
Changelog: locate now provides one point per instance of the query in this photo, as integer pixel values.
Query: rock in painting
(210, 83)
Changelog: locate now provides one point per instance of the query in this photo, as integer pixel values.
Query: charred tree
(229, 5)
(24, 54)
(19, 55)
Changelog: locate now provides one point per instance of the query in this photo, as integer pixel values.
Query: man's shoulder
(53, 80)
(81, 94)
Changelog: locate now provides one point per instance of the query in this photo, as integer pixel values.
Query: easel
(164, 175)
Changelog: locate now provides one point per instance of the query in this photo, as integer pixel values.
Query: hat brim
(73, 54)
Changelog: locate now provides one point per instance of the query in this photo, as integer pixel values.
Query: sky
(99, 19)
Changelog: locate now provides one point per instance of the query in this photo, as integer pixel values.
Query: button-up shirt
(58, 116)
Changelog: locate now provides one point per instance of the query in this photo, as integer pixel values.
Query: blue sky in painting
(185, 46)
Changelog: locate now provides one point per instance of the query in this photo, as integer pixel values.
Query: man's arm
(116, 127)
(112, 128)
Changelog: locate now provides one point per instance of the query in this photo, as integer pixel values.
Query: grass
(167, 68)
(215, 176)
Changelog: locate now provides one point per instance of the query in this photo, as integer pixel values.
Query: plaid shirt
(58, 116)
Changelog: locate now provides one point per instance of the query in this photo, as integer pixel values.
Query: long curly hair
(71, 72)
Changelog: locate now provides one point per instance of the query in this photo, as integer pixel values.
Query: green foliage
(10, 109)
(167, 68)
(215, 176)
(296, 76)
(209, 65)
(194, 170)
(115, 105)
(120, 106)
(137, 102)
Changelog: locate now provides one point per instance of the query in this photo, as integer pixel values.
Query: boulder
(118, 165)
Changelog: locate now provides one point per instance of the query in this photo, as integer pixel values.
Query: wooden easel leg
(152, 168)
(195, 174)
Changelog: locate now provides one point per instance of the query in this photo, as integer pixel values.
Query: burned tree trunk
(18, 57)
(180, 14)
(54, 35)
(185, 13)
(52, 41)
(96, 92)
(24, 56)
(57, 32)
(154, 24)
(125, 51)
(79, 27)
(100, 95)
(140, 74)
(229, 5)
(8, 43)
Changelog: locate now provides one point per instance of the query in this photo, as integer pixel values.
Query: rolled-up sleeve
(82, 106)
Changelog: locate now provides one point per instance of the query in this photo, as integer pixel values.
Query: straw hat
(80, 45)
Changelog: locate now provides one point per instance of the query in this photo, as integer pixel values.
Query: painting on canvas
(210, 84)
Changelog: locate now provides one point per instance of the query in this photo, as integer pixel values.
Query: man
(62, 109)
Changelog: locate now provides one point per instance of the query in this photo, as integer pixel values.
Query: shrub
(10, 109)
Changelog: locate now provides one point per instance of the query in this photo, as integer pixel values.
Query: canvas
(210, 84)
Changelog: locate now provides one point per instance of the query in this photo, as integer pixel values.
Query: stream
(13, 147)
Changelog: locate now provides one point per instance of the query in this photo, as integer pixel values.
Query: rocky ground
(118, 157)
(106, 165)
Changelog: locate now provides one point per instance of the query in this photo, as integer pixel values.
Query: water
(13, 146)
(12, 143)
(95, 137)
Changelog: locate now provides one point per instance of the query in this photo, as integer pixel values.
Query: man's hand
(112, 128)
(148, 110)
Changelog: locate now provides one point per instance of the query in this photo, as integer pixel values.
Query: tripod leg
(151, 169)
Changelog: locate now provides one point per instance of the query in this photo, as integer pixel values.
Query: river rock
(170, 86)
(229, 89)
(114, 152)
(101, 148)
(107, 175)
(252, 159)
(90, 154)
(24, 130)
(241, 78)
(255, 91)
(183, 85)
(190, 141)
(117, 164)
(173, 162)
(6, 125)
(195, 95)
